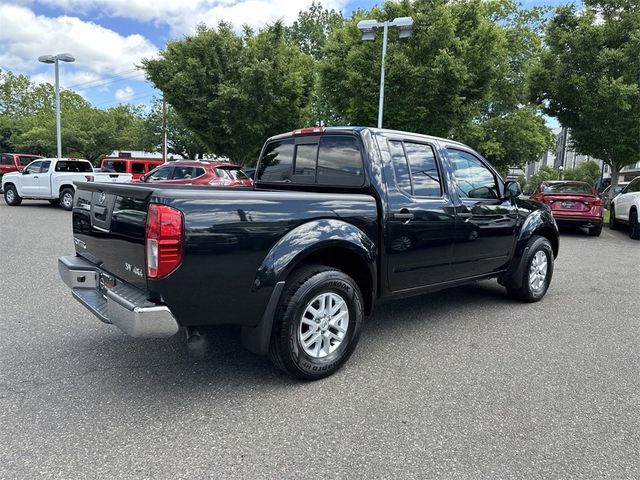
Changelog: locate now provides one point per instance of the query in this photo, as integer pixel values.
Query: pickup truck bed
(338, 218)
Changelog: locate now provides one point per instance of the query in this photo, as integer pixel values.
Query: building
(563, 157)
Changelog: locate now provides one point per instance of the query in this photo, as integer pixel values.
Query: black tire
(634, 226)
(305, 285)
(55, 202)
(11, 196)
(614, 224)
(526, 292)
(64, 199)
(595, 231)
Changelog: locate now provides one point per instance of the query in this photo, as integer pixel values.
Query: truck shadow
(166, 368)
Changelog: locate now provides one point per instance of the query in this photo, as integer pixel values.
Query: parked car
(609, 193)
(135, 166)
(14, 162)
(337, 219)
(250, 172)
(53, 179)
(572, 203)
(198, 173)
(625, 208)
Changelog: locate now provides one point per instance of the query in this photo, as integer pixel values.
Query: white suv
(625, 208)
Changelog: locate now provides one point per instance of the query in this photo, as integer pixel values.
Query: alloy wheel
(538, 271)
(323, 325)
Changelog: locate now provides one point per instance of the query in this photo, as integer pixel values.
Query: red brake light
(308, 130)
(597, 202)
(163, 240)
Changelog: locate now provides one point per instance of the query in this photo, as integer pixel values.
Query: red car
(572, 203)
(198, 173)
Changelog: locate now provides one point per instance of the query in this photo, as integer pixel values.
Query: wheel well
(62, 187)
(350, 263)
(9, 185)
(549, 234)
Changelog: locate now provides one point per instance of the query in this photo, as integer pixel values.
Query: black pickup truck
(338, 218)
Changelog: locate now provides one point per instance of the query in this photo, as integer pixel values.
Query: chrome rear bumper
(124, 306)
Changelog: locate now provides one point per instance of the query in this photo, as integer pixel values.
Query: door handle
(35, 176)
(405, 216)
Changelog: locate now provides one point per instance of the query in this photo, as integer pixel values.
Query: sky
(108, 38)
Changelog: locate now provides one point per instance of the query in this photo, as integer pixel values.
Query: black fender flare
(288, 253)
(539, 222)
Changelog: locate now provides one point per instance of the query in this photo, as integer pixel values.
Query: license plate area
(568, 204)
(105, 282)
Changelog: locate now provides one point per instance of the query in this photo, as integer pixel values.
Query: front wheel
(317, 324)
(11, 196)
(66, 198)
(537, 270)
(634, 226)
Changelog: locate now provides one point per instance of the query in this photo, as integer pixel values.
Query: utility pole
(164, 129)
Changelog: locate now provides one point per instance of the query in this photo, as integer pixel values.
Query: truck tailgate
(109, 223)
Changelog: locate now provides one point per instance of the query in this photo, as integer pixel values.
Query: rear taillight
(163, 240)
(597, 202)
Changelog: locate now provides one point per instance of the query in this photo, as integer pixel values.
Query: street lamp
(55, 59)
(368, 29)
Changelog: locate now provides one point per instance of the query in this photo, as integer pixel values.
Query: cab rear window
(72, 166)
(324, 160)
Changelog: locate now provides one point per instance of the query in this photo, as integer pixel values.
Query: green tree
(462, 74)
(588, 171)
(590, 79)
(544, 174)
(234, 91)
(312, 29)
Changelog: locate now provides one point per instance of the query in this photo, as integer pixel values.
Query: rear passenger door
(421, 225)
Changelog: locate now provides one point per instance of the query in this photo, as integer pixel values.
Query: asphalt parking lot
(459, 384)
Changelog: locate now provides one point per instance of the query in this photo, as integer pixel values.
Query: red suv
(15, 162)
(572, 203)
(198, 173)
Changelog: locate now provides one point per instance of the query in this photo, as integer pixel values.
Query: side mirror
(143, 178)
(512, 189)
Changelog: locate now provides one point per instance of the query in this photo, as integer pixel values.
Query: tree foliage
(234, 91)
(462, 74)
(312, 29)
(590, 78)
(588, 172)
(28, 124)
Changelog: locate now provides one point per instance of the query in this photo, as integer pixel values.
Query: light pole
(55, 59)
(368, 29)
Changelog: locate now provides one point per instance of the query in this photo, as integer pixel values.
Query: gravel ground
(459, 384)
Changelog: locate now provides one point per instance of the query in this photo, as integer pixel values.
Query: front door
(30, 181)
(420, 227)
(485, 222)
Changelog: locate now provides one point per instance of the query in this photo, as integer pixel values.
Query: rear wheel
(595, 231)
(614, 224)
(66, 198)
(634, 226)
(11, 196)
(317, 324)
(537, 270)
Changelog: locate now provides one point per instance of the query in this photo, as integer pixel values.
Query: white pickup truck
(52, 179)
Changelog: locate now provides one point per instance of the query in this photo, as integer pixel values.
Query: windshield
(567, 188)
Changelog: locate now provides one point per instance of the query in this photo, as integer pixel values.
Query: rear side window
(114, 166)
(230, 173)
(24, 160)
(277, 161)
(339, 161)
(137, 167)
(183, 173)
(416, 168)
(72, 166)
(6, 159)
